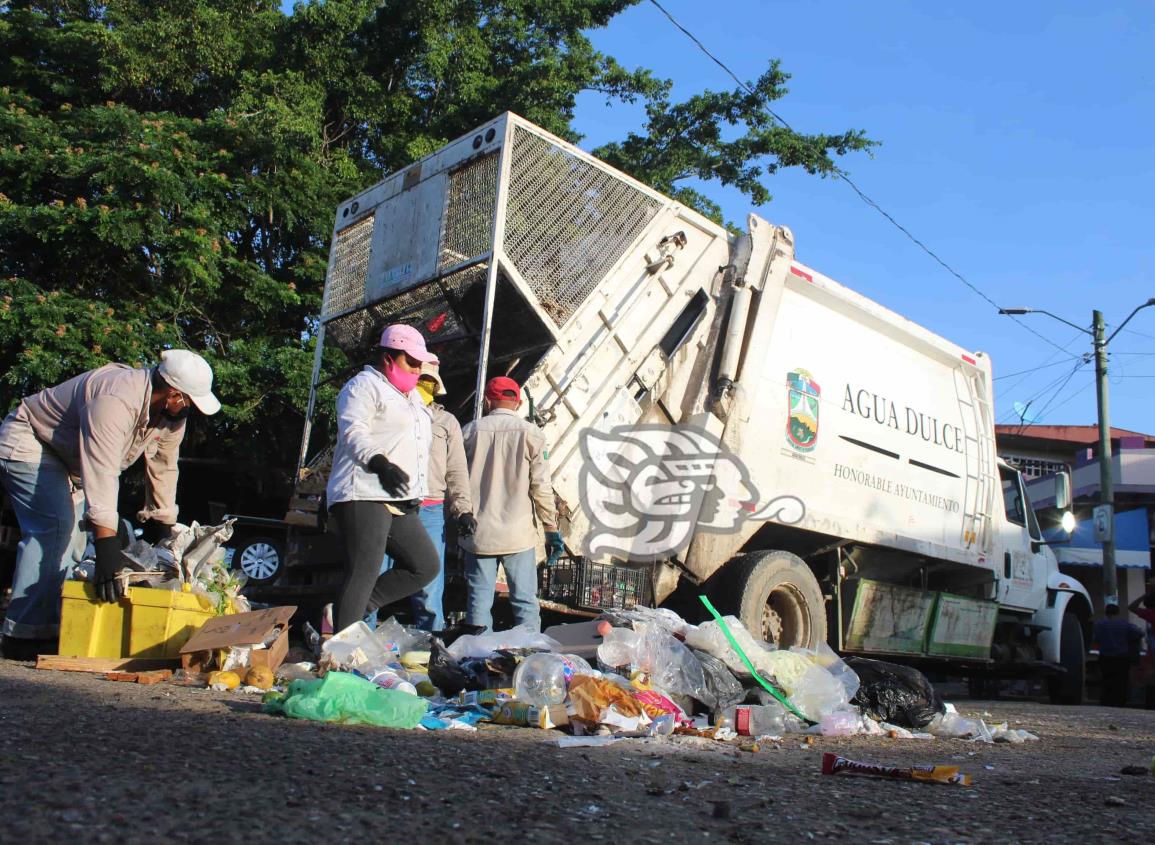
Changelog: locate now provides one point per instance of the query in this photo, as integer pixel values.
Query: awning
(1132, 542)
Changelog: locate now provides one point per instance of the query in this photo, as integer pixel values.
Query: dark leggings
(370, 532)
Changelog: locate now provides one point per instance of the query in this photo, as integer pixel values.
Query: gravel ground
(89, 759)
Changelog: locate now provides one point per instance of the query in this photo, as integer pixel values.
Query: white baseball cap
(190, 373)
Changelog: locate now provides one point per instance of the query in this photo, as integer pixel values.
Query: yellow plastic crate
(163, 621)
(146, 623)
(89, 628)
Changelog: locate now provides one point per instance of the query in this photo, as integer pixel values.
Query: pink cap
(409, 341)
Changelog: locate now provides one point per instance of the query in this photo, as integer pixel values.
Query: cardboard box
(266, 632)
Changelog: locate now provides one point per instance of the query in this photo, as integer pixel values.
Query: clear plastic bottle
(619, 648)
(542, 679)
(755, 719)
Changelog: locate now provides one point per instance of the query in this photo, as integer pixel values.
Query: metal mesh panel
(469, 203)
(449, 313)
(345, 286)
(567, 222)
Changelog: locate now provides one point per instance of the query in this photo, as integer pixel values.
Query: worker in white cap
(380, 477)
(68, 445)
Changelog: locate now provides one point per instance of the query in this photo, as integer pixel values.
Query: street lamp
(1097, 332)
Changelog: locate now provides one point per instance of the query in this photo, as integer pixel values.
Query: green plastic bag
(351, 700)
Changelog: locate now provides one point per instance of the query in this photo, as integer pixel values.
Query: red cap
(502, 389)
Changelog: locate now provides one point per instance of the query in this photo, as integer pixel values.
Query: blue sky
(1017, 144)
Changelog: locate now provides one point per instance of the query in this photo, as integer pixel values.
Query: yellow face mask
(425, 389)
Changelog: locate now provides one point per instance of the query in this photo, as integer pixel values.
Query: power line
(1043, 390)
(1055, 395)
(845, 177)
(1140, 334)
(1078, 392)
(1031, 370)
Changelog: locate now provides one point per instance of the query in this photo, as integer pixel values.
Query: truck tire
(1068, 687)
(777, 598)
(261, 558)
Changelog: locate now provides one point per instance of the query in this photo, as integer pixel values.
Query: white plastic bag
(828, 659)
(483, 645)
(817, 693)
(710, 638)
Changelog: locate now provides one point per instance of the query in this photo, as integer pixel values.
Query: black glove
(153, 532)
(392, 477)
(108, 563)
(466, 525)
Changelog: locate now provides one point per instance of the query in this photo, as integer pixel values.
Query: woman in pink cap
(378, 480)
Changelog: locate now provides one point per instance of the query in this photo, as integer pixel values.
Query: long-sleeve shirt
(448, 468)
(1114, 636)
(97, 424)
(375, 418)
(510, 483)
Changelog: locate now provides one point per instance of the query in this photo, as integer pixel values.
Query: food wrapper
(530, 716)
(832, 764)
(589, 697)
(486, 697)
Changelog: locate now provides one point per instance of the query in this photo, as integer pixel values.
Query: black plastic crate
(600, 586)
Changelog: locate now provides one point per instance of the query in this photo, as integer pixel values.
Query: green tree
(169, 169)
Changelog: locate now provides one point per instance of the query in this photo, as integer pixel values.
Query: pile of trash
(191, 559)
(641, 673)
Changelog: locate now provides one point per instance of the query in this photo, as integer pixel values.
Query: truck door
(1023, 568)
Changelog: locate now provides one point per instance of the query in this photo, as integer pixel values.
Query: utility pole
(1106, 480)
(1100, 340)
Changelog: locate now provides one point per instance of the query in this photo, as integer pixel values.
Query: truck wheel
(1068, 688)
(261, 558)
(777, 597)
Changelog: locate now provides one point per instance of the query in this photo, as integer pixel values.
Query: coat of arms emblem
(803, 395)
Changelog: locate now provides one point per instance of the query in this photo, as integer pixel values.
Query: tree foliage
(169, 169)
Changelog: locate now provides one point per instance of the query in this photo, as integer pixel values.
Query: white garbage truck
(722, 419)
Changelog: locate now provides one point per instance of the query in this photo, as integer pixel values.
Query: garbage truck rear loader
(717, 412)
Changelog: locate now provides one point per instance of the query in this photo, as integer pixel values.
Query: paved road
(92, 760)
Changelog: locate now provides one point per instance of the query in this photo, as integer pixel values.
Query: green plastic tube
(770, 688)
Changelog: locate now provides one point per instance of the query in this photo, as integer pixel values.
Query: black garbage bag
(496, 670)
(457, 630)
(897, 694)
(722, 686)
(447, 674)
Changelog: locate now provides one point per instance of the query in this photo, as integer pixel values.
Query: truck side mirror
(1063, 489)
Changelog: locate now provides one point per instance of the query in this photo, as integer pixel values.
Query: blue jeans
(51, 541)
(428, 613)
(521, 570)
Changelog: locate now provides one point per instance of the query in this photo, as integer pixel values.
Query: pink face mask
(403, 380)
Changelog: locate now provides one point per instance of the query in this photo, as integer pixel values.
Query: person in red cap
(67, 446)
(379, 478)
(513, 498)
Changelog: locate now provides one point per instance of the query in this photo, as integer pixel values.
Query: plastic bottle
(389, 679)
(755, 719)
(542, 679)
(619, 648)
